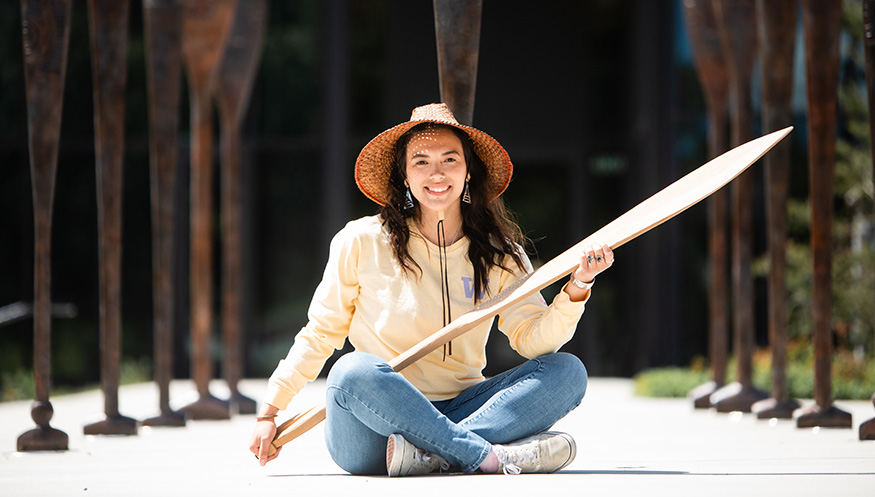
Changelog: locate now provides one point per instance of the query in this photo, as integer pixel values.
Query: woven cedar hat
(374, 163)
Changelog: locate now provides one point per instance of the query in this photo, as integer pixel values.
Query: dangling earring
(466, 194)
(409, 203)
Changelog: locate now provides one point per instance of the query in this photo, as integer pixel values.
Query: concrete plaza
(627, 445)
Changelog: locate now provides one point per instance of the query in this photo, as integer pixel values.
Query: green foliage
(135, 371)
(19, 384)
(668, 382)
(16, 385)
(853, 376)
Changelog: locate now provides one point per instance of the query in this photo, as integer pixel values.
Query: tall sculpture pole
(736, 20)
(821, 20)
(457, 29)
(45, 36)
(206, 24)
(713, 75)
(777, 35)
(867, 428)
(234, 88)
(108, 22)
(162, 21)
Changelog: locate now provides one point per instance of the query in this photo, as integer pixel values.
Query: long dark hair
(491, 232)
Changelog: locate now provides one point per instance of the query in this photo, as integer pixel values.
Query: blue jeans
(366, 401)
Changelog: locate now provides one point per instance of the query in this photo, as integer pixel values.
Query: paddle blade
(687, 191)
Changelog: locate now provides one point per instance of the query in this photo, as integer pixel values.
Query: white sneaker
(545, 452)
(405, 459)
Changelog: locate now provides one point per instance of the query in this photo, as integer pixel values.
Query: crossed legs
(366, 401)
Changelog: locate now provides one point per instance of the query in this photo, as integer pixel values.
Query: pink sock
(490, 464)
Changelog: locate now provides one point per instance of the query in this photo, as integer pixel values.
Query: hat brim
(374, 163)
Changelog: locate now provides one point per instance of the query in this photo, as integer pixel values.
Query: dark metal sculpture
(457, 30)
(233, 90)
(108, 23)
(163, 36)
(45, 36)
(867, 428)
(714, 77)
(777, 35)
(736, 20)
(206, 24)
(821, 20)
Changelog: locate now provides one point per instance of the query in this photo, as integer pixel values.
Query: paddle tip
(776, 136)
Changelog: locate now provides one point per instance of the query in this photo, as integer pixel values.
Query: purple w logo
(469, 288)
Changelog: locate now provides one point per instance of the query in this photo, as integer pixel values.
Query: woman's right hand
(262, 436)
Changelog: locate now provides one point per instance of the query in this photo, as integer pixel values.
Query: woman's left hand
(593, 261)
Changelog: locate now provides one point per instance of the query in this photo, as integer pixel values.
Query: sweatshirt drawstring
(445, 283)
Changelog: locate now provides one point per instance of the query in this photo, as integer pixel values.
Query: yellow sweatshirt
(366, 297)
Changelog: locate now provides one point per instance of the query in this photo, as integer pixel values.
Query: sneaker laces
(512, 459)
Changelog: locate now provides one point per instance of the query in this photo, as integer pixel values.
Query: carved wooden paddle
(108, 27)
(671, 201)
(162, 30)
(233, 89)
(713, 72)
(45, 37)
(205, 28)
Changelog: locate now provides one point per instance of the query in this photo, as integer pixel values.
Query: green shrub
(16, 385)
(668, 382)
(19, 384)
(853, 377)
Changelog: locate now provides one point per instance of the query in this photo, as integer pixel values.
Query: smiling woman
(434, 177)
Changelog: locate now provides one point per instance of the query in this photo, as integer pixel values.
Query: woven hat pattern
(374, 164)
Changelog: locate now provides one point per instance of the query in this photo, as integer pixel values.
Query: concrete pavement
(627, 445)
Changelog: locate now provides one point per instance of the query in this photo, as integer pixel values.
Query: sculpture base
(113, 425)
(817, 416)
(701, 395)
(771, 408)
(736, 397)
(43, 438)
(867, 430)
(242, 404)
(166, 418)
(208, 407)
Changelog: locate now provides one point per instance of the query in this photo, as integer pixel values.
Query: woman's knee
(569, 371)
(356, 370)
